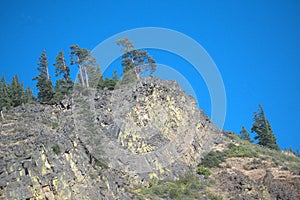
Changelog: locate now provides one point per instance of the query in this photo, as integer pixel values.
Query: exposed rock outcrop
(104, 144)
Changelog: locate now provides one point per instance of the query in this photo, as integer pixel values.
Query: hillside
(145, 140)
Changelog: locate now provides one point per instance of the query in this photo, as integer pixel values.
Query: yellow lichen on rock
(75, 170)
(75, 144)
(36, 188)
(145, 148)
(153, 176)
(159, 167)
(130, 144)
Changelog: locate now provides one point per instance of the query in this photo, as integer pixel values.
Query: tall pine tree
(135, 62)
(64, 85)
(89, 70)
(261, 126)
(44, 84)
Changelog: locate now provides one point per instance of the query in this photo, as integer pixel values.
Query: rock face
(103, 144)
(152, 125)
(98, 142)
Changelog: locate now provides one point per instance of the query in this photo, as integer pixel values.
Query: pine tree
(5, 101)
(108, 83)
(89, 70)
(94, 74)
(64, 85)
(262, 127)
(135, 62)
(16, 92)
(244, 134)
(44, 84)
(28, 95)
(297, 152)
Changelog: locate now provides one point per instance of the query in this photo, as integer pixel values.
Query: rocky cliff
(121, 144)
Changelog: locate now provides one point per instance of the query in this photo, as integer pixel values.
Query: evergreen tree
(16, 92)
(262, 127)
(94, 74)
(44, 84)
(244, 134)
(297, 153)
(135, 62)
(108, 83)
(28, 95)
(5, 100)
(64, 85)
(89, 70)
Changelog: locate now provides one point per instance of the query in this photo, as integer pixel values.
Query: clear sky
(255, 45)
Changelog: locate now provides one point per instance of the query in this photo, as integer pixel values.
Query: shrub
(55, 125)
(186, 187)
(213, 159)
(241, 151)
(56, 149)
(101, 163)
(203, 171)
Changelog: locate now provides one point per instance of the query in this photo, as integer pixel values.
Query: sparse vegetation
(240, 151)
(187, 186)
(203, 171)
(56, 149)
(279, 158)
(212, 196)
(246, 149)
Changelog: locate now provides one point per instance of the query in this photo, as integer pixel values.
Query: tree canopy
(64, 85)
(89, 70)
(44, 84)
(13, 94)
(135, 62)
(262, 127)
(244, 134)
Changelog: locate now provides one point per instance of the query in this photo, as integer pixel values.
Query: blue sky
(255, 45)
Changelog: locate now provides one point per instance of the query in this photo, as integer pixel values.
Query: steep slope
(141, 141)
(152, 125)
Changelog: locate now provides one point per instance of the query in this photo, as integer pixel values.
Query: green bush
(101, 163)
(203, 171)
(55, 124)
(241, 151)
(186, 187)
(56, 149)
(213, 159)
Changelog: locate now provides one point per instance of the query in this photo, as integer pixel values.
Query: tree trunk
(48, 75)
(81, 75)
(64, 63)
(86, 78)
